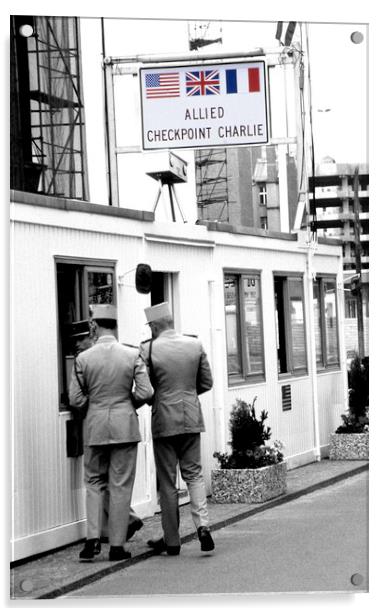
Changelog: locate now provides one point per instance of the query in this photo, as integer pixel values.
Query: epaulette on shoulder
(191, 335)
(132, 346)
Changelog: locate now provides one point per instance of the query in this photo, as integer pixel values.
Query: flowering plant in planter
(351, 439)
(253, 472)
(356, 420)
(248, 437)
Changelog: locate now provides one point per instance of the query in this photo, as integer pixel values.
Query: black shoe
(159, 546)
(205, 538)
(117, 552)
(133, 528)
(91, 548)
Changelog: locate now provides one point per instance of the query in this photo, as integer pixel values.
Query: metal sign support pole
(177, 202)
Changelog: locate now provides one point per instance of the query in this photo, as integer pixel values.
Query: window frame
(262, 193)
(235, 379)
(290, 370)
(264, 223)
(108, 265)
(325, 365)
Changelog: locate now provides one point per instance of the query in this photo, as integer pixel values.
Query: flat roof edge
(74, 205)
(225, 227)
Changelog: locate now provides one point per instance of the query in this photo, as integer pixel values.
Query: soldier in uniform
(80, 336)
(106, 373)
(80, 339)
(179, 372)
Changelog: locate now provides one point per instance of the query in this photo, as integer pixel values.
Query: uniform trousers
(106, 507)
(111, 466)
(168, 451)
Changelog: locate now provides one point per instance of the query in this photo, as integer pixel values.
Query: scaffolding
(212, 184)
(210, 165)
(51, 138)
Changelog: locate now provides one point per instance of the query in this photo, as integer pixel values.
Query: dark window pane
(280, 324)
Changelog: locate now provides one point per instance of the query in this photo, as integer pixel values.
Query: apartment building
(333, 210)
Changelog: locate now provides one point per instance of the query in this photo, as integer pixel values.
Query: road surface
(318, 542)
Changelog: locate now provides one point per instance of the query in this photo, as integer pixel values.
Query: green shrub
(248, 437)
(356, 419)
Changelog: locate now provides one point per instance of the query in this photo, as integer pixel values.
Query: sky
(338, 69)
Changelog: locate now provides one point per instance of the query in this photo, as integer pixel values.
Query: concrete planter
(248, 485)
(349, 446)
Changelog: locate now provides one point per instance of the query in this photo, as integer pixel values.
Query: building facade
(240, 186)
(334, 209)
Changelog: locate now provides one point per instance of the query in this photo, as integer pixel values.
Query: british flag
(199, 83)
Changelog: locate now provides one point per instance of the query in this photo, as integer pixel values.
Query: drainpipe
(107, 128)
(217, 355)
(313, 360)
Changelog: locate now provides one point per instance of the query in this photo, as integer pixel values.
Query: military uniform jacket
(107, 372)
(179, 372)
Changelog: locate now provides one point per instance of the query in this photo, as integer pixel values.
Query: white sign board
(204, 106)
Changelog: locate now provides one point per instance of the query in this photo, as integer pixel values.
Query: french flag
(242, 80)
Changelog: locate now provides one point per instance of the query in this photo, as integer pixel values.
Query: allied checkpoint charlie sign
(204, 106)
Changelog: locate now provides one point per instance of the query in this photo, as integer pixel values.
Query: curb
(280, 500)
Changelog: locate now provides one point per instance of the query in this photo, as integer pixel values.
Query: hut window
(326, 322)
(290, 325)
(244, 334)
(80, 285)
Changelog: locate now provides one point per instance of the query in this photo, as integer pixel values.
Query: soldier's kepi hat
(159, 311)
(80, 328)
(104, 311)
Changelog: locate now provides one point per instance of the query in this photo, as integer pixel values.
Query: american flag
(199, 83)
(162, 85)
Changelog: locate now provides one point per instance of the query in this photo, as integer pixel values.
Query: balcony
(348, 193)
(340, 216)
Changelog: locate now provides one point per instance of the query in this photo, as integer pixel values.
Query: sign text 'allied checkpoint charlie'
(204, 106)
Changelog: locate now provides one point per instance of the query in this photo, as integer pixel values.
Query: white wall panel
(331, 404)
(48, 486)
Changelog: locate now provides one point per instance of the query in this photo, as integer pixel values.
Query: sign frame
(198, 108)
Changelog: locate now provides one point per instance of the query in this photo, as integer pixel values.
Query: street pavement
(317, 543)
(59, 573)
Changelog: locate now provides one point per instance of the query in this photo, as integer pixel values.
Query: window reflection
(232, 332)
(330, 322)
(253, 329)
(297, 324)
